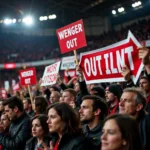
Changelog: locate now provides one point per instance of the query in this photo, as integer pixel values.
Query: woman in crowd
(64, 124)
(4, 126)
(39, 133)
(120, 132)
(40, 105)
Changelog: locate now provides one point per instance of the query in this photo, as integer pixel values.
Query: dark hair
(129, 130)
(144, 77)
(43, 121)
(28, 100)
(98, 103)
(71, 91)
(42, 104)
(69, 117)
(13, 102)
(99, 91)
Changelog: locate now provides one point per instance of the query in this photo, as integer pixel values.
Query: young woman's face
(37, 130)
(54, 121)
(111, 138)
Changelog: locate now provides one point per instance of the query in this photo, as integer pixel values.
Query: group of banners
(101, 65)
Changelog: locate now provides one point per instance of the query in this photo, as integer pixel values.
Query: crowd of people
(79, 116)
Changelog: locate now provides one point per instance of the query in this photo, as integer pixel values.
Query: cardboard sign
(50, 74)
(105, 64)
(27, 76)
(71, 37)
(16, 87)
(68, 63)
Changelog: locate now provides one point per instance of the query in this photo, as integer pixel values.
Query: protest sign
(105, 64)
(27, 76)
(50, 74)
(68, 63)
(71, 37)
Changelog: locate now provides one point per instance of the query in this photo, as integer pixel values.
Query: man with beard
(92, 112)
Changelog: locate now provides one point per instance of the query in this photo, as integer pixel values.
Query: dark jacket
(19, 133)
(144, 128)
(93, 136)
(72, 142)
(32, 143)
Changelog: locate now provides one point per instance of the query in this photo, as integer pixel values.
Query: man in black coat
(133, 103)
(92, 112)
(20, 128)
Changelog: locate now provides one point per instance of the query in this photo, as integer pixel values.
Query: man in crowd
(92, 112)
(28, 107)
(20, 128)
(113, 93)
(133, 103)
(54, 97)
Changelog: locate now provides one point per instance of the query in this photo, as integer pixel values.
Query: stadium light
(14, 21)
(52, 16)
(45, 18)
(7, 21)
(113, 12)
(41, 18)
(137, 4)
(28, 20)
(121, 9)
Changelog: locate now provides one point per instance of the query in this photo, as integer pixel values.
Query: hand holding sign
(126, 73)
(144, 54)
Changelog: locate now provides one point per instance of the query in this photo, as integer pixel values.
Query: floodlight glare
(14, 21)
(121, 9)
(7, 21)
(45, 18)
(136, 4)
(113, 12)
(41, 18)
(27, 20)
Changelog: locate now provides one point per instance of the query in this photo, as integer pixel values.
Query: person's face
(1, 106)
(77, 87)
(144, 85)
(54, 98)
(37, 130)
(11, 113)
(67, 97)
(5, 122)
(54, 121)
(25, 104)
(86, 111)
(127, 103)
(109, 96)
(111, 138)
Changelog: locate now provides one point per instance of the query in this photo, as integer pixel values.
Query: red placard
(27, 76)
(105, 64)
(16, 87)
(71, 37)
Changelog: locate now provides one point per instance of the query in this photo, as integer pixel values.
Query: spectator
(55, 95)
(40, 104)
(65, 123)
(28, 107)
(133, 103)
(20, 128)
(120, 132)
(39, 133)
(92, 112)
(113, 93)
